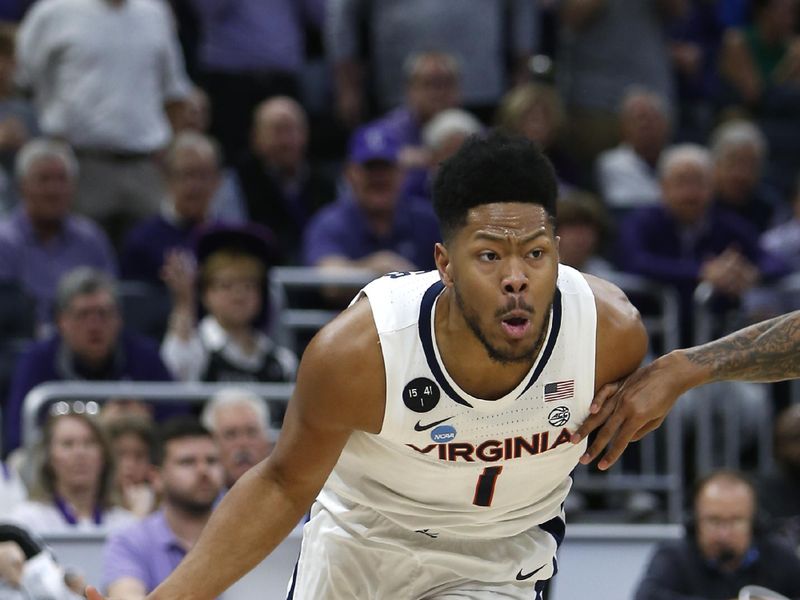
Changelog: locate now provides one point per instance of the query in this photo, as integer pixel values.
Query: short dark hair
(175, 429)
(489, 169)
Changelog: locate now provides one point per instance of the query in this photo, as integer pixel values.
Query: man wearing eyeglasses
(724, 550)
(90, 346)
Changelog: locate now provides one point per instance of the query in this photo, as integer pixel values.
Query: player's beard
(505, 358)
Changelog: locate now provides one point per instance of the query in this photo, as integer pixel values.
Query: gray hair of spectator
(736, 134)
(41, 148)
(235, 396)
(448, 122)
(682, 153)
(191, 140)
(637, 91)
(81, 282)
(414, 61)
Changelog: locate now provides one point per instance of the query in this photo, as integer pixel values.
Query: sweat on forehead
(491, 170)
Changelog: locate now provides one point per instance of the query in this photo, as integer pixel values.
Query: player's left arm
(621, 344)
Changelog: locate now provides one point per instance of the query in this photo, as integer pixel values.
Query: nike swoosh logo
(521, 577)
(420, 427)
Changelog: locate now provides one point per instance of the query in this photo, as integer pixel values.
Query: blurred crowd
(149, 182)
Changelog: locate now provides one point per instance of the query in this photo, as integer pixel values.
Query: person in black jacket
(723, 550)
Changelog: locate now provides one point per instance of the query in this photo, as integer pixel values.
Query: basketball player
(431, 420)
(766, 351)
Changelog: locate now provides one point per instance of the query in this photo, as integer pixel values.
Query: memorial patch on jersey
(443, 434)
(421, 394)
(559, 390)
(559, 416)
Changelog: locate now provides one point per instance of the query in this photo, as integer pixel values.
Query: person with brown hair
(132, 441)
(73, 489)
(227, 344)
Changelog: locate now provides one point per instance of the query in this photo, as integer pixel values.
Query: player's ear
(442, 259)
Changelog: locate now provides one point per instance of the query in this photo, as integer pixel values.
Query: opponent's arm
(340, 388)
(766, 351)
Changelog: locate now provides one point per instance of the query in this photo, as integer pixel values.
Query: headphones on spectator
(29, 544)
(760, 520)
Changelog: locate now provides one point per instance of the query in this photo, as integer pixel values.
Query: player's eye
(488, 256)
(537, 253)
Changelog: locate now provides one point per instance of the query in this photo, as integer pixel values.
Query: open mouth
(516, 327)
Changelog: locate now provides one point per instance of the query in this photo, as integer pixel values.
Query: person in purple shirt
(90, 345)
(192, 176)
(372, 225)
(687, 240)
(250, 50)
(190, 478)
(42, 240)
(433, 84)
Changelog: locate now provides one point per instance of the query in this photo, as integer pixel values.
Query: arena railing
(655, 464)
(42, 396)
(724, 416)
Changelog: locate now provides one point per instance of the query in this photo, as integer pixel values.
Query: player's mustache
(514, 304)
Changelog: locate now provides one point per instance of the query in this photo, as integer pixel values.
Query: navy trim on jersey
(290, 595)
(425, 337)
(555, 527)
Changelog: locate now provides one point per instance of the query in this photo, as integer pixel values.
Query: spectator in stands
(739, 150)
(281, 188)
(632, 36)
(132, 442)
(189, 479)
(784, 239)
(372, 225)
(17, 117)
(582, 226)
(432, 85)
(240, 422)
(90, 345)
(109, 94)
(626, 174)
(73, 490)
(479, 35)
(192, 166)
(228, 344)
(779, 491)
(42, 240)
(686, 240)
(248, 52)
(764, 54)
(535, 110)
(723, 549)
(442, 137)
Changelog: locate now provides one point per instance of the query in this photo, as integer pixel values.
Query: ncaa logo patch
(443, 434)
(559, 416)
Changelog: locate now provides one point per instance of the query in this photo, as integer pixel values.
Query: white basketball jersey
(448, 462)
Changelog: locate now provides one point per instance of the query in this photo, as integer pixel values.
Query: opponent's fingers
(597, 417)
(621, 440)
(647, 428)
(603, 437)
(93, 594)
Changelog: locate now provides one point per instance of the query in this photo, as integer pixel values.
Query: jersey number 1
(484, 489)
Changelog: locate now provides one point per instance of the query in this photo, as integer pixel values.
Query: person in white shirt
(106, 76)
(72, 490)
(626, 174)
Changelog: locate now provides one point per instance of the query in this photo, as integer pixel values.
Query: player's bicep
(339, 390)
(621, 336)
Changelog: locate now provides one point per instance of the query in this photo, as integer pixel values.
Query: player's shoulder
(621, 339)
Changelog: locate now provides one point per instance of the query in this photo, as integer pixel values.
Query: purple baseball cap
(371, 143)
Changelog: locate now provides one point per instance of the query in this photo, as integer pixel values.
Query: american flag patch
(560, 390)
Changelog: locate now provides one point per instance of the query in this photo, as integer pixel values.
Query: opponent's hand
(626, 411)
